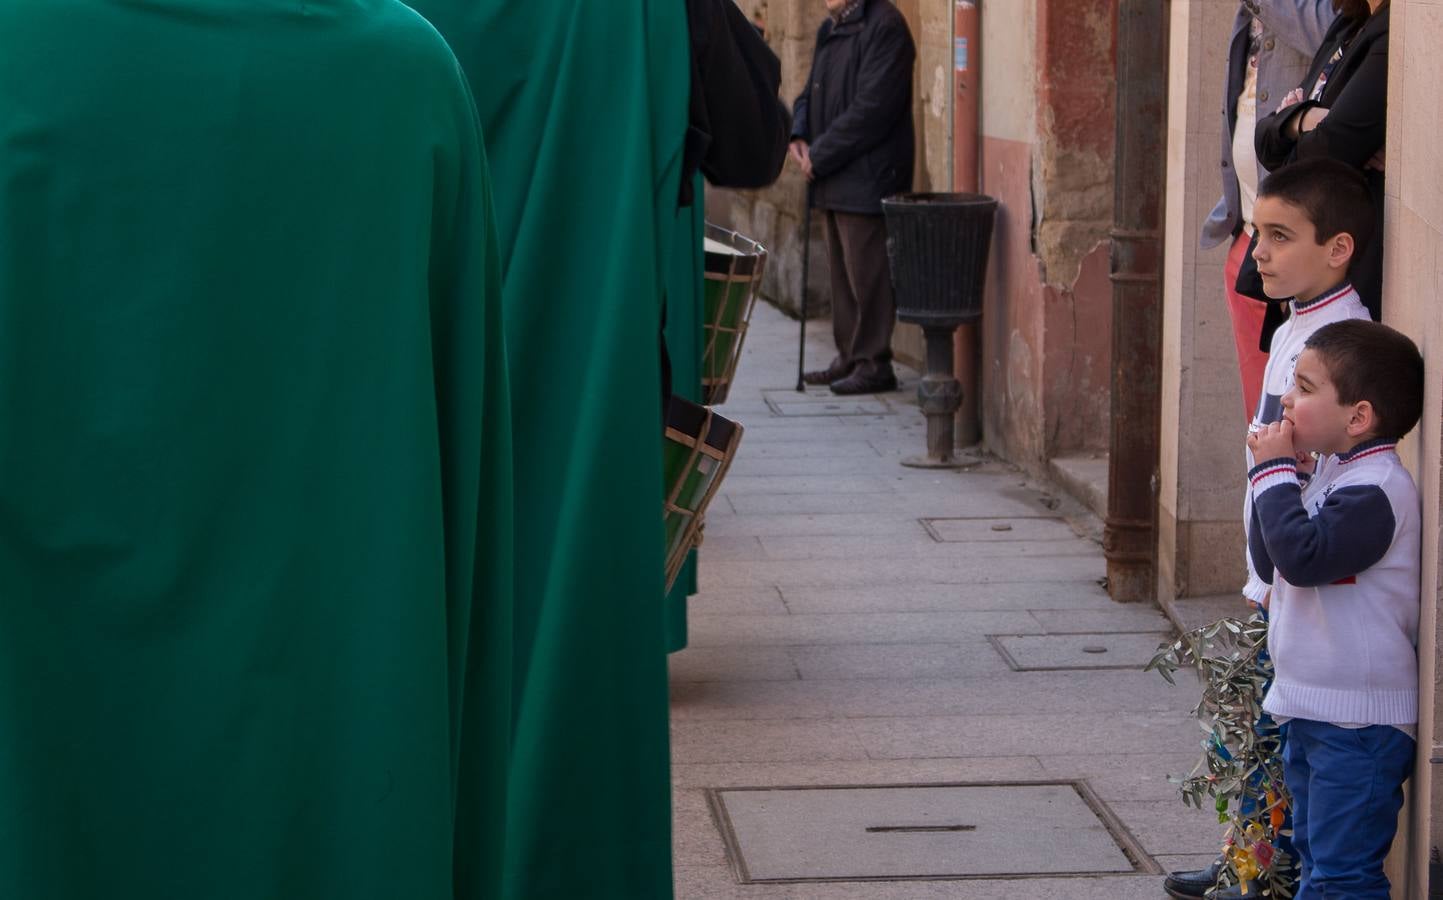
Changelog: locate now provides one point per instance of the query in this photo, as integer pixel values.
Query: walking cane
(806, 259)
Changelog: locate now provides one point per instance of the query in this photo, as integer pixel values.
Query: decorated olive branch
(1241, 761)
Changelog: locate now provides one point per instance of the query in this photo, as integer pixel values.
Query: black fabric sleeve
(1354, 130)
(738, 126)
(1350, 533)
(1257, 548)
(884, 84)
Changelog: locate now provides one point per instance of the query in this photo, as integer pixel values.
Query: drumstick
(806, 258)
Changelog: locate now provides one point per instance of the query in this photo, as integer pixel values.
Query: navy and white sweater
(1287, 345)
(1343, 556)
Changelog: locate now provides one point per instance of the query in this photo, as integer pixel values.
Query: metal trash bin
(937, 249)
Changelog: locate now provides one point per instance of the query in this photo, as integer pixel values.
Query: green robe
(584, 107)
(255, 507)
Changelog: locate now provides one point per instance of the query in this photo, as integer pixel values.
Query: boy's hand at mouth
(1273, 441)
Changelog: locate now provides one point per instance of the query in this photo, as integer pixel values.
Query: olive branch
(1241, 761)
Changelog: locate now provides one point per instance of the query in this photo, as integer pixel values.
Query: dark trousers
(1347, 786)
(863, 309)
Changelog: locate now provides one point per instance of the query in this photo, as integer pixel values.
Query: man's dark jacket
(856, 110)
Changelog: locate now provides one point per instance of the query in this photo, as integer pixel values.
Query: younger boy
(1342, 557)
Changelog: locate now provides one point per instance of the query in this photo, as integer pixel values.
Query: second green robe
(584, 107)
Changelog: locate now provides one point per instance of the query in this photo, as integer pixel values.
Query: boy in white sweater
(1342, 554)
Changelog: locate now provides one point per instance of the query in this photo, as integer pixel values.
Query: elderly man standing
(852, 137)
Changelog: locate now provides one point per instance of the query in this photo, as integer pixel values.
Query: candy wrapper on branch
(1240, 774)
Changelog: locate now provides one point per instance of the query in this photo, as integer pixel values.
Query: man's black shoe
(831, 373)
(860, 382)
(1194, 884)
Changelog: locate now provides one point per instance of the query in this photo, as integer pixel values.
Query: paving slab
(694, 883)
(1188, 613)
(884, 661)
(1093, 621)
(1051, 652)
(1030, 735)
(800, 465)
(866, 771)
(961, 530)
(803, 525)
(783, 405)
(829, 485)
(766, 741)
(918, 505)
(902, 693)
(911, 546)
(910, 596)
(735, 664)
(697, 842)
(1123, 775)
(807, 450)
(757, 602)
(855, 628)
(1036, 565)
(778, 834)
(720, 546)
(1167, 827)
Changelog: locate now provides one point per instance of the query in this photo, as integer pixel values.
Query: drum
(698, 448)
(734, 267)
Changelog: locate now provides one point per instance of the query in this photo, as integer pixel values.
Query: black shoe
(834, 372)
(860, 382)
(1236, 893)
(1195, 884)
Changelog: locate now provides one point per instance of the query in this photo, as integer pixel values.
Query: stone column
(1412, 289)
(1200, 497)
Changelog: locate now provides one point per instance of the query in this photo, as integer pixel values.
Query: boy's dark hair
(1332, 194)
(1370, 361)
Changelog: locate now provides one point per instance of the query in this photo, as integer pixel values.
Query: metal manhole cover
(790, 403)
(1053, 652)
(923, 832)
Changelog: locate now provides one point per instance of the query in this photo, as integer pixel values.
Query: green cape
(584, 107)
(255, 510)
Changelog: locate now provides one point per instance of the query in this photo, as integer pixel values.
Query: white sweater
(1287, 345)
(1343, 556)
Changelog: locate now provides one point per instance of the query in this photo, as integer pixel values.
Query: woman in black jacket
(1341, 111)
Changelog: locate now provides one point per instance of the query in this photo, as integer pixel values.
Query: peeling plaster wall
(1048, 133)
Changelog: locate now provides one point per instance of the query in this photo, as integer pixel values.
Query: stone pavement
(858, 625)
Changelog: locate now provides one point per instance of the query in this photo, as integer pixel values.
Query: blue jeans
(1347, 786)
